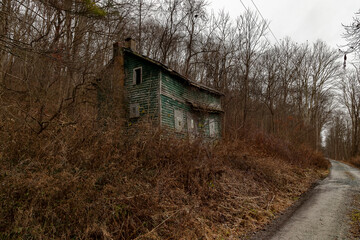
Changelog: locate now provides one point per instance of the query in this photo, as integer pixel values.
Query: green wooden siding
(168, 105)
(173, 94)
(146, 93)
(184, 91)
(200, 95)
(170, 86)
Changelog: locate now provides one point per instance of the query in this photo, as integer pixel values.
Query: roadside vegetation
(354, 216)
(88, 183)
(355, 162)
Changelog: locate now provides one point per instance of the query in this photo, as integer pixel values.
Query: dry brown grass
(354, 161)
(354, 216)
(88, 182)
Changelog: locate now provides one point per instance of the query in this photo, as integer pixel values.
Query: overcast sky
(300, 20)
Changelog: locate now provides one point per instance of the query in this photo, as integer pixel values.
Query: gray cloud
(300, 20)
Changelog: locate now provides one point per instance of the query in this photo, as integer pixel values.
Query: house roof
(203, 107)
(174, 73)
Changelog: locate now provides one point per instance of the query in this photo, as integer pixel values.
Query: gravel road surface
(323, 215)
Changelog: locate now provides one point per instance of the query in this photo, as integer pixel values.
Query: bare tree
(251, 44)
(269, 83)
(194, 25)
(352, 33)
(47, 43)
(350, 86)
(338, 140)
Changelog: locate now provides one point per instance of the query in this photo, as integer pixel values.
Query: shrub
(86, 181)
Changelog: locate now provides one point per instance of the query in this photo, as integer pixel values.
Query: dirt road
(324, 214)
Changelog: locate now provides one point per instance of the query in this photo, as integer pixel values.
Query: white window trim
(134, 75)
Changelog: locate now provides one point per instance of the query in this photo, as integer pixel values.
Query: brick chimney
(130, 43)
(118, 64)
(117, 48)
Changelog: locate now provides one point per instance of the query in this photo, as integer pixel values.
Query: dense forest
(66, 174)
(343, 132)
(51, 52)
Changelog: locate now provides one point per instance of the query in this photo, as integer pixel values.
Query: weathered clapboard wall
(146, 93)
(162, 94)
(209, 100)
(175, 95)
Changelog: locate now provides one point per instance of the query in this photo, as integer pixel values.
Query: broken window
(137, 76)
(179, 120)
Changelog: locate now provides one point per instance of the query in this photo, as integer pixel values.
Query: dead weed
(90, 182)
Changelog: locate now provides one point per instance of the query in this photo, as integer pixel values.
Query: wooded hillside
(65, 173)
(51, 52)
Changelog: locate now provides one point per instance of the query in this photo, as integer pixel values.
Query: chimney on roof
(117, 49)
(130, 43)
(118, 46)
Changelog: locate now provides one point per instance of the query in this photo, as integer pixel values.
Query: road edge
(273, 226)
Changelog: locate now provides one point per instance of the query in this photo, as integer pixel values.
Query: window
(179, 120)
(134, 110)
(212, 127)
(191, 124)
(137, 76)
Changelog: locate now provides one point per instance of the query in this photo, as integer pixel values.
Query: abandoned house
(147, 88)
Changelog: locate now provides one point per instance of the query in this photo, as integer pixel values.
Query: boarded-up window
(179, 120)
(134, 110)
(137, 76)
(212, 127)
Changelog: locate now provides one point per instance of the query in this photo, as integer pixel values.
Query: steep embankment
(89, 184)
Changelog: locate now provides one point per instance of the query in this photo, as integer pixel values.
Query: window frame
(135, 75)
(179, 120)
(135, 114)
(212, 128)
(192, 123)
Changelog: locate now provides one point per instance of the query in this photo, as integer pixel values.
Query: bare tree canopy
(282, 89)
(352, 33)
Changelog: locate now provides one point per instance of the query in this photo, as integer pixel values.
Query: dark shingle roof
(174, 73)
